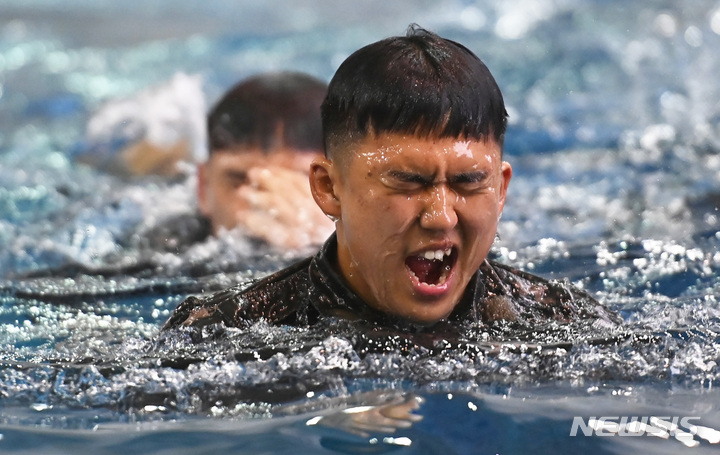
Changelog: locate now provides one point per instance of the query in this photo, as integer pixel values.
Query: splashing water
(613, 138)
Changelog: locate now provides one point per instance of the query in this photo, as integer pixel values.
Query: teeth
(437, 255)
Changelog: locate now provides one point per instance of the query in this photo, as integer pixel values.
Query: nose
(439, 209)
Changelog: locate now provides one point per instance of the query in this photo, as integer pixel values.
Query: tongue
(427, 270)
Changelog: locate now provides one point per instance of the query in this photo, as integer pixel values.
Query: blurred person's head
(269, 120)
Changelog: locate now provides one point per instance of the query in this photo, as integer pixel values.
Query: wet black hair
(269, 110)
(418, 84)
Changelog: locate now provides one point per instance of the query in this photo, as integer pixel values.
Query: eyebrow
(411, 177)
(463, 177)
(468, 177)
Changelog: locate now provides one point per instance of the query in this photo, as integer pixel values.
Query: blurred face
(224, 181)
(416, 218)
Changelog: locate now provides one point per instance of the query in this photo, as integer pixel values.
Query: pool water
(614, 138)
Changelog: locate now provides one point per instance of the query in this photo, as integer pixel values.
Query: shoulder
(274, 297)
(279, 294)
(543, 299)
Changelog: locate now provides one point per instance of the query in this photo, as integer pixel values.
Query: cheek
(482, 214)
(391, 215)
(376, 228)
(364, 218)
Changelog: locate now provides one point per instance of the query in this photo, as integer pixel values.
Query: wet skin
(415, 218)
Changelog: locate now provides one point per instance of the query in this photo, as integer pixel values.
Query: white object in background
(150, 132)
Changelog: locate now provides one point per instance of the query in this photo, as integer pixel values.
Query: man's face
(225, 181)
(417, 217)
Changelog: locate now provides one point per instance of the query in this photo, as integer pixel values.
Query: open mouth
(432, 267)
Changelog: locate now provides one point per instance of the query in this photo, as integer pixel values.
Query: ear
(202, 189)
(323, 181)
(505, 176)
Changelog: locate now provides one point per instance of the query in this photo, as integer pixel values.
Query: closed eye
(468, 182)
(406, 181)
(464, 182)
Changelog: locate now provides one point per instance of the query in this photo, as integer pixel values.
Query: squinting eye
(468, 187)
(406, 181)
(469, 183)
(401, 185)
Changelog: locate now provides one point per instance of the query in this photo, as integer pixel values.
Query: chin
(428, 319)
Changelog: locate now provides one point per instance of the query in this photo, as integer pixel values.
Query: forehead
(397, 150)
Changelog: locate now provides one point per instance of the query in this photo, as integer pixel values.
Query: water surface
(614, 139)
